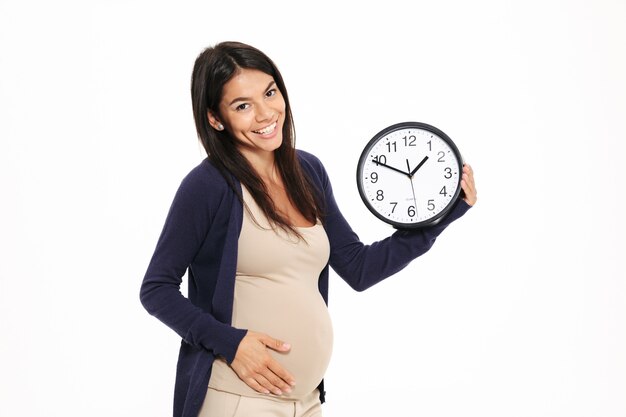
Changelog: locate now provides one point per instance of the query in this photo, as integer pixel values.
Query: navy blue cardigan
(200, 237)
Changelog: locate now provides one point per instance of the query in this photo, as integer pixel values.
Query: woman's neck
(264, 164)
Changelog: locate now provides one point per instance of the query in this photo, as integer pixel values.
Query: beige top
(276, 292)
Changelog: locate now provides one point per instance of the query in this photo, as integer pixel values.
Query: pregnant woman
(256, 227)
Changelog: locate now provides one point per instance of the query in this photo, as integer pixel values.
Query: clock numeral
(443, 191)
(380, 159)
(391, 145)
(431, 205)
(411, 211)
(448, 173)
(441, 155)
(379, 195)
(410, 141)
(394, 206)
(374, 177)
(430, 145)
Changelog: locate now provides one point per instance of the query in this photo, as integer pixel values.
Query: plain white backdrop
(518, 310)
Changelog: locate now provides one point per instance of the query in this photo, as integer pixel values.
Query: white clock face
(409, 176)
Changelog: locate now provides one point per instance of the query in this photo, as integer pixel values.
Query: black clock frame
(404, 125)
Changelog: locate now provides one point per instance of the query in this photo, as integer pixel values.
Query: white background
(518, 310)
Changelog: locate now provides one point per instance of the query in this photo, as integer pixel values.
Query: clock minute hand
(390, 167)
(418, 166)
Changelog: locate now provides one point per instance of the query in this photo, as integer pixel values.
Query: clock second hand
(408, 169)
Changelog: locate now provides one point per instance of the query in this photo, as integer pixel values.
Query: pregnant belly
(295, 314)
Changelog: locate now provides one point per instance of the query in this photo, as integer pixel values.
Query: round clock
(409, 175)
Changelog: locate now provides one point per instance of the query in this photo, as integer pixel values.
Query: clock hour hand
(418, 166)
(390, 167)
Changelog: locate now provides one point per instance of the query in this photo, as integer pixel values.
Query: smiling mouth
(266, 130)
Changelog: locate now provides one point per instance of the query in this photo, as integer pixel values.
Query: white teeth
(266, 130)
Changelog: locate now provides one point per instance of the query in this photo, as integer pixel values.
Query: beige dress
(276, 292)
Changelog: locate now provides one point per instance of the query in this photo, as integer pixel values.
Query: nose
(264, 112)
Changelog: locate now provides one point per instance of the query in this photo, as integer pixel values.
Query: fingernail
(287, 389)
(286, 345)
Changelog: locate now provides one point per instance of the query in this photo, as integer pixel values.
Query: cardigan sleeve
(185, 229)
(361, 265)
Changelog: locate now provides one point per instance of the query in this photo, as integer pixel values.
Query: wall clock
(409, 175)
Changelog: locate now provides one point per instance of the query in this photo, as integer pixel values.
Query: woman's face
(252, 110)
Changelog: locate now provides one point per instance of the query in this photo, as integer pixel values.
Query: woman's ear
(214, 121)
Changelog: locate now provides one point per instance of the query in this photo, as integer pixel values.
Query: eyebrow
(248, 98)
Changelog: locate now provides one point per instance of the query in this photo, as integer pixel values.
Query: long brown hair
(213, 68)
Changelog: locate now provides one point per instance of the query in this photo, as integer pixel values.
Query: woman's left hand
(468, 186)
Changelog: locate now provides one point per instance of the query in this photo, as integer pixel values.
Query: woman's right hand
(257, 368)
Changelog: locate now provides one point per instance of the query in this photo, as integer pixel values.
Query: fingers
(252, 383)
(278, 379)
(267, 384)
(285, 379)
(258, 369)
(468, 185)
(275, 344)
(279, 376)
